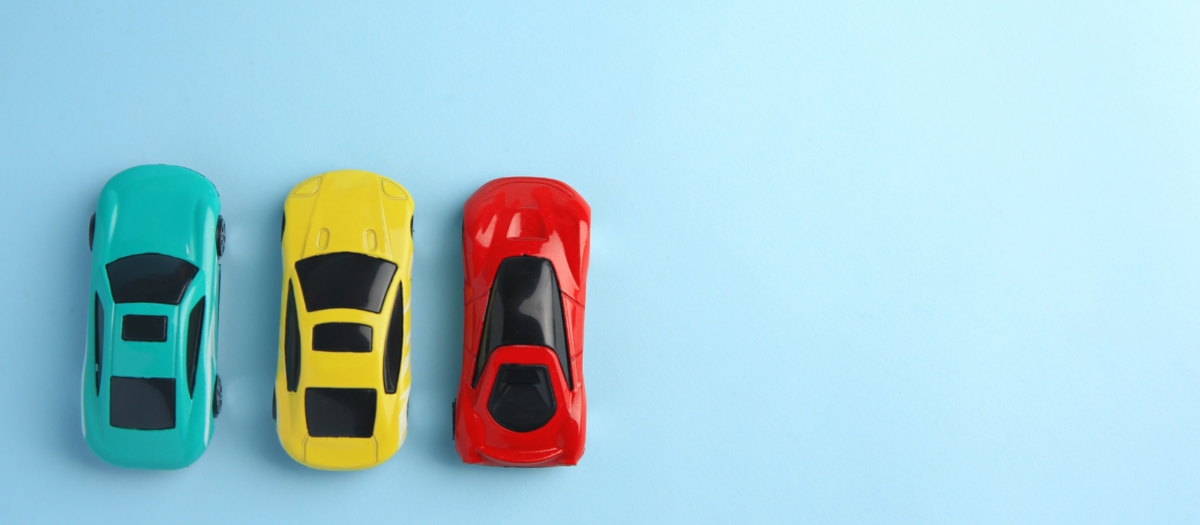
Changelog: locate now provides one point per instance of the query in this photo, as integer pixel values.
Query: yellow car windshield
(344, 280)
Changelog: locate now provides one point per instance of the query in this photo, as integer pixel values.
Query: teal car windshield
(149, 278)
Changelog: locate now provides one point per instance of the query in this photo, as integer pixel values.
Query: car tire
(220, 236)
(91, 232)
(217, 398)
(274, 411)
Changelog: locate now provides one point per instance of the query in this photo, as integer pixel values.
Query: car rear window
(522, 398)
(340, 412)
(149, 278)
(142, 403)
(344, 280)
(524, 308)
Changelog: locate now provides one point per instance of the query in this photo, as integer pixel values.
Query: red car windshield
(525, 308)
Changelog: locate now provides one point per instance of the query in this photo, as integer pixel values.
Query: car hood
(351, 211)
(156, 209)
(526, 216)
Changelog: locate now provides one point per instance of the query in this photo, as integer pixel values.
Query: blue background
(858, 263)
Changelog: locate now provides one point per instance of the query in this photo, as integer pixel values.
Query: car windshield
(149, 278)
(525, 308)
(344, 280)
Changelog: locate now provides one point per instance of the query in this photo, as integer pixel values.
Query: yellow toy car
(341, 392)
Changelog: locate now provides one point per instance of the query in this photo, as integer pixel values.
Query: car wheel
(91, 232)
(274, 412)
(220, 236)
(217, 402)
(283, 227)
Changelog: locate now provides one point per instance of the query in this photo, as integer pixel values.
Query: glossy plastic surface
(538, 416)
(153, 260)
(347, 262)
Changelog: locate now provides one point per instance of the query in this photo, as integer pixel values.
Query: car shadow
(437, 337)
(252, 343)
(72, 290)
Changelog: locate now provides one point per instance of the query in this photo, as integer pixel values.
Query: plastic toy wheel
(274, 414)
(220, 236)
(216, 408)
(283, 227)
(91, 232)
(411, 229)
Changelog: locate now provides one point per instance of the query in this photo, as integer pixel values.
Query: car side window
(98, 334)
(291, 343)
(195, 330)
(524, 308)
(393, 349)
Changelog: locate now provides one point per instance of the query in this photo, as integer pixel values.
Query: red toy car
(525, 257)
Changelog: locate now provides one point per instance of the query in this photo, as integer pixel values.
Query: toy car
(341, 391)
(150, 384)
(520, 397)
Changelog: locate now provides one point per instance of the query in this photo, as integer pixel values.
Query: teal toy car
(150, 384)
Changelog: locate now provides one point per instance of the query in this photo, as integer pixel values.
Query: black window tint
(195, 329)
(144, 328)
(149, 278)
(393, 349)
(291, 343)
(522, 399)
(524, 308)
(341, 337)
(344, 280)
(98, 334)
(340, 412)
(142, 403)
